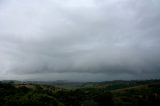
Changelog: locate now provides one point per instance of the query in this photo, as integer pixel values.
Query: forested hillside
(115, 93)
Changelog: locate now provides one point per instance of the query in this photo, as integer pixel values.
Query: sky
(79, 40)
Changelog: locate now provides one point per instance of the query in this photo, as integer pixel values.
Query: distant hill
(107, 93)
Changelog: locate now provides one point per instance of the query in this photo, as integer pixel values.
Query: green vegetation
(114, 93)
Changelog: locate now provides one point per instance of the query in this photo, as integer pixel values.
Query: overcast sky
(79, 40)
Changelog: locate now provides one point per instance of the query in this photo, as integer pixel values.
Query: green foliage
(104, 99)
(100, 94)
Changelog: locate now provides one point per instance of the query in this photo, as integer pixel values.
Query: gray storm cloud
(79, 40)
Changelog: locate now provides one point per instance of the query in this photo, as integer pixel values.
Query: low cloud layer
(79, 40)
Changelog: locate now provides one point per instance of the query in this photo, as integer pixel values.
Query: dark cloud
(79, 40)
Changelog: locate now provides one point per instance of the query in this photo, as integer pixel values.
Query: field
(108, 93)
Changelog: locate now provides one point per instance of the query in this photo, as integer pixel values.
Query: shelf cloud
(79, 40)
